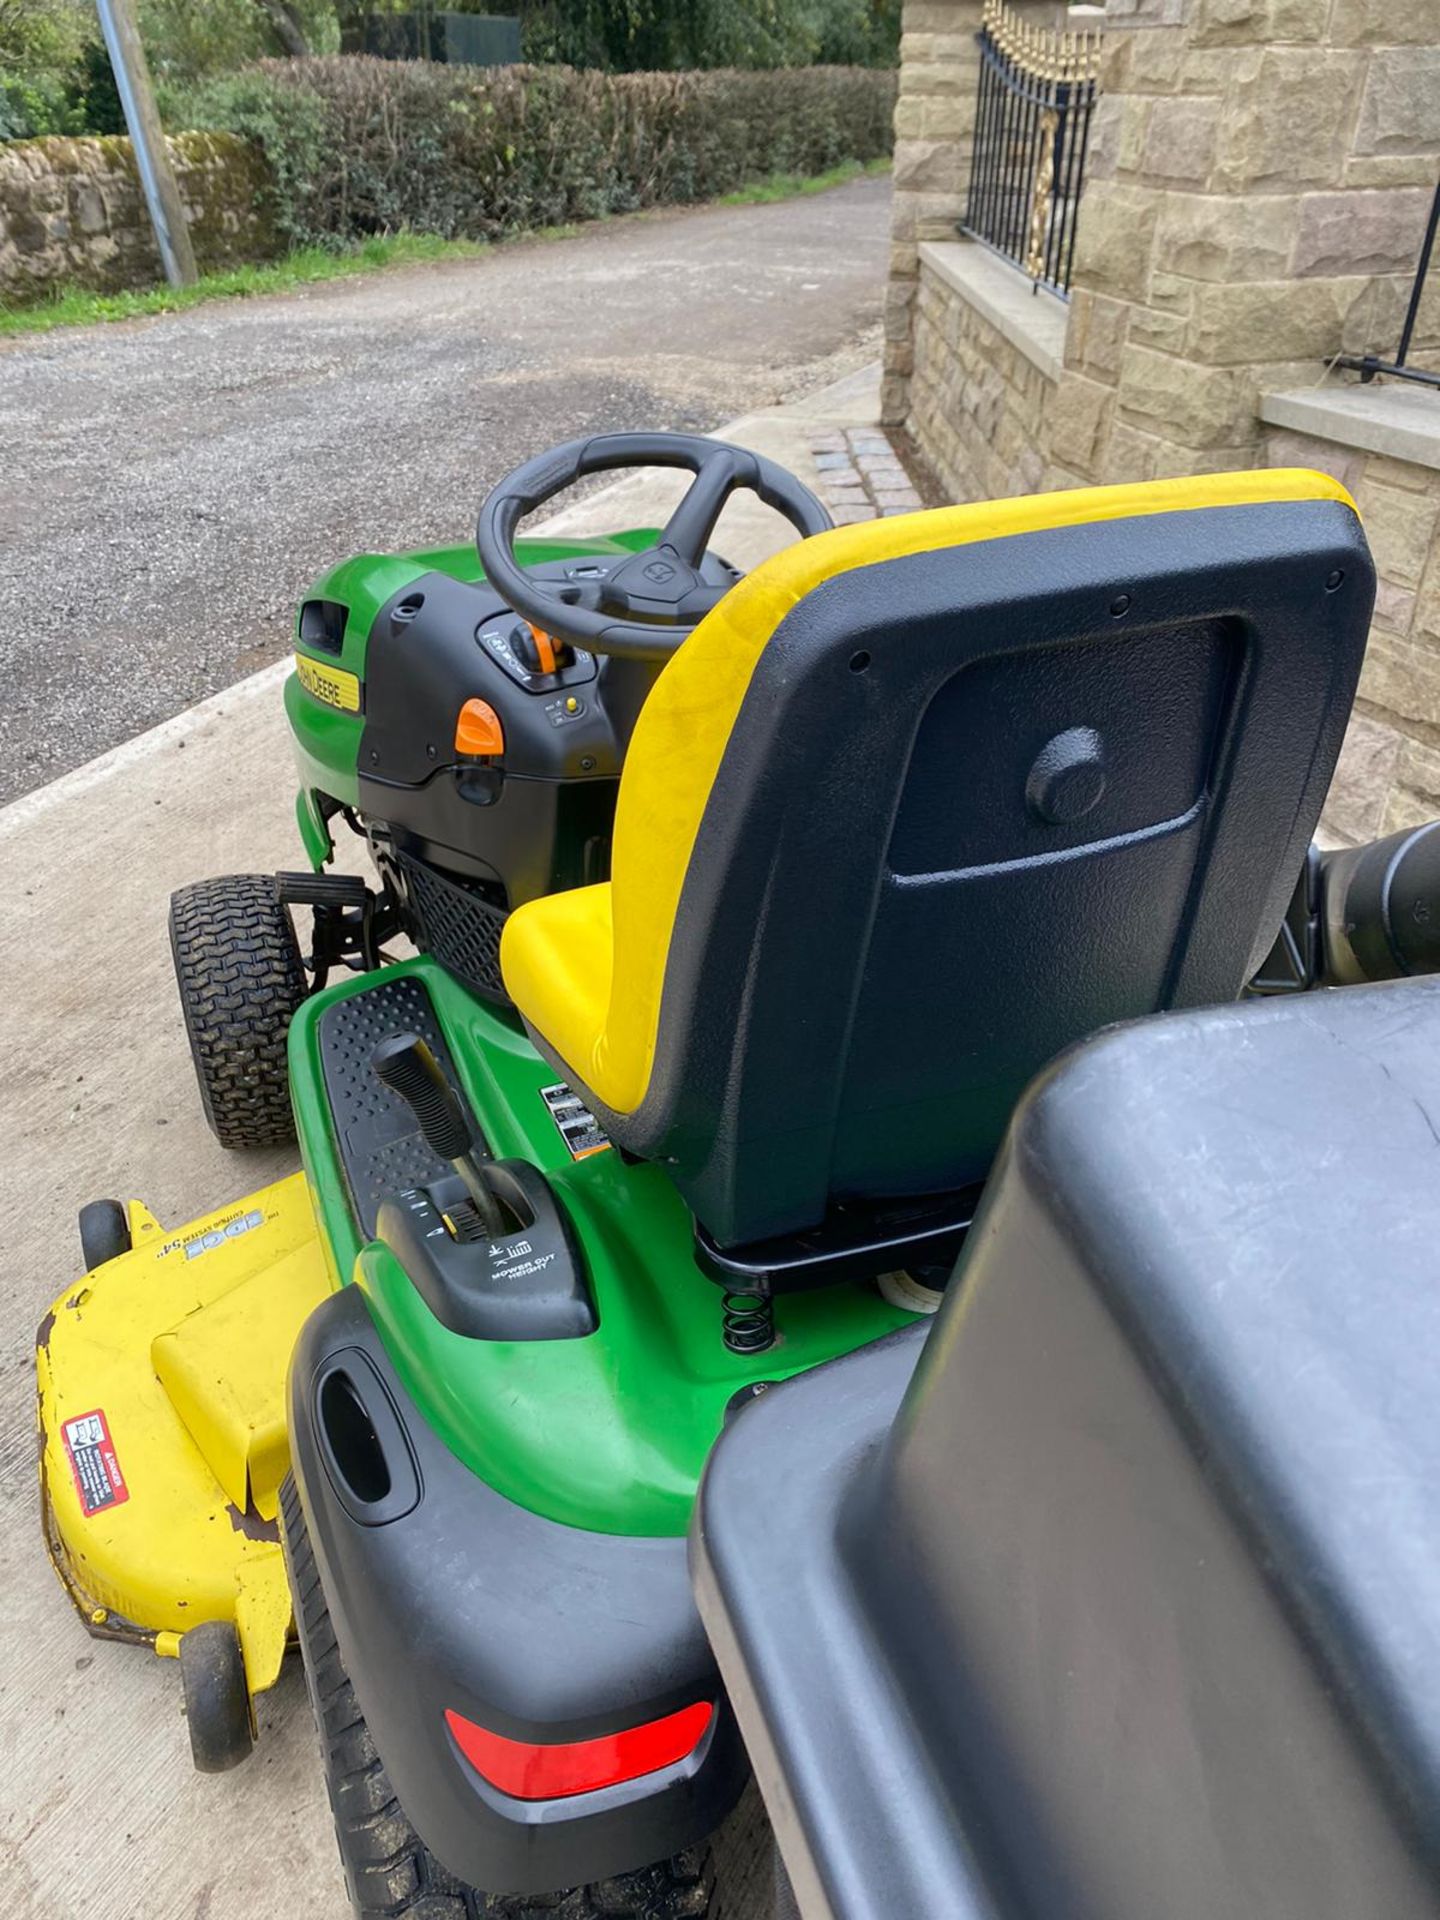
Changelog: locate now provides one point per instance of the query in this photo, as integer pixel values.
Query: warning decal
(92, 1460)
(579, 1128)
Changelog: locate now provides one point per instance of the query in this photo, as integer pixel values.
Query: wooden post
(152, 156)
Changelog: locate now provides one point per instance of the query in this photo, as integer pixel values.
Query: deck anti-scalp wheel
(104, 1232)
(240, 976)
(217, 1701)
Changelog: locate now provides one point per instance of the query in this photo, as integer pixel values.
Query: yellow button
(572, 705)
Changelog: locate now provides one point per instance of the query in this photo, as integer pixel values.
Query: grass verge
(787, 186)
(78, 308)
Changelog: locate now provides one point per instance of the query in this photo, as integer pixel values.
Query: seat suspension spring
(748, 1321)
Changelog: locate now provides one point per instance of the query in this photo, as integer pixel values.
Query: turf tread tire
(240, 977)
(389, 1871)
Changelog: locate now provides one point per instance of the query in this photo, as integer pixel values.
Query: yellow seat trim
(587, 968)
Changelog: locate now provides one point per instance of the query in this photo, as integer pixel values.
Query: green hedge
(360, 146)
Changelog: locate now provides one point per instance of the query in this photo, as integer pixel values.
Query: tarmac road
(168, 487)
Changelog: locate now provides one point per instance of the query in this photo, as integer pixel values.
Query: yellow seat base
(161, 1381)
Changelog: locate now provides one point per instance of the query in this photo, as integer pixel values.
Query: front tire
(389, 1871)
(240, 977)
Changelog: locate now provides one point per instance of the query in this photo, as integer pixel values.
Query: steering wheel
(645, 606)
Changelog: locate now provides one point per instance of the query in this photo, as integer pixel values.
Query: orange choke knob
(478, 732)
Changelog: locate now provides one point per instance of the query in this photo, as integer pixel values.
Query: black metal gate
(427, 32)
(1037, 92)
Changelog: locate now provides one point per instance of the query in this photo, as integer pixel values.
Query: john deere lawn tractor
(713, 928)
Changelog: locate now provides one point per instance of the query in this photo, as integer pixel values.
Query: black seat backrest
(975, 803)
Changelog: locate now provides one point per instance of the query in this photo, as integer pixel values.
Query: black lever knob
(408, 1067)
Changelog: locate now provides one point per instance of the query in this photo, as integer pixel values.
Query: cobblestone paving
(861, 476)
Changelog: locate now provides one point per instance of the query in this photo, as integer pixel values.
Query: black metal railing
(1037, 93)
(1367, 365)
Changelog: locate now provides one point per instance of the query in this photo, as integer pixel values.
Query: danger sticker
(98, 1478)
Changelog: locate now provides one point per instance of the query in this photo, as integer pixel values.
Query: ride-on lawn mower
(743, 910)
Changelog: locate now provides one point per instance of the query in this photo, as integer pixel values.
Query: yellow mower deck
(162, 1418)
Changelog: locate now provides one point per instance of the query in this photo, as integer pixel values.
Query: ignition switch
(537, 651)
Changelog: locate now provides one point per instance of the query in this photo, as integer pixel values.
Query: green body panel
(327, 740)
(327, 750)
(609, 1432)
(314, 829)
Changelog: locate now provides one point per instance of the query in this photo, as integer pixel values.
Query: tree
(287, 25)
(622, 34)
(189, 39)
(43, 50)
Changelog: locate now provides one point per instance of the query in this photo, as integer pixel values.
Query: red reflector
(580, 1766)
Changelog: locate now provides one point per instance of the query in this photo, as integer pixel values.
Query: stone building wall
(72, 213)
(1256, 193)
(934, 125)
(1259, 177)
(1390, 773)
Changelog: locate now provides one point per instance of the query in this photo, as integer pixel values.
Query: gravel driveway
(169, 486)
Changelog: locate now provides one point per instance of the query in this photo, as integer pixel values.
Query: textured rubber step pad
(382, 1151)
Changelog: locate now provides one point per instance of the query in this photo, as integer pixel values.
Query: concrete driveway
(169, 486)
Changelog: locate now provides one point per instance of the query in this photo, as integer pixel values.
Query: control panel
(565, 709)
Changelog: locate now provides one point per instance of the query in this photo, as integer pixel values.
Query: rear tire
(389, 1871)
(240, 976)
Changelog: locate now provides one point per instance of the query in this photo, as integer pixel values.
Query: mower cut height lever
(408, 1068)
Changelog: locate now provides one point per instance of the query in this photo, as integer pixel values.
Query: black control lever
(408, 1068)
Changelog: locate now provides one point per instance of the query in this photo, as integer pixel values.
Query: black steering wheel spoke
(586, 594)
(688, 530)
(663, 589)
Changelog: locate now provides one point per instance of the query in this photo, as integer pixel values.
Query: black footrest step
(382, 1150)
(322, 889)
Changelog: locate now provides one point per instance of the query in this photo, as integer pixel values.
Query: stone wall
(934, 125)
(72, 212)
(1389, 776)
(986, 404)
(934, 128)
(1255, 198)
